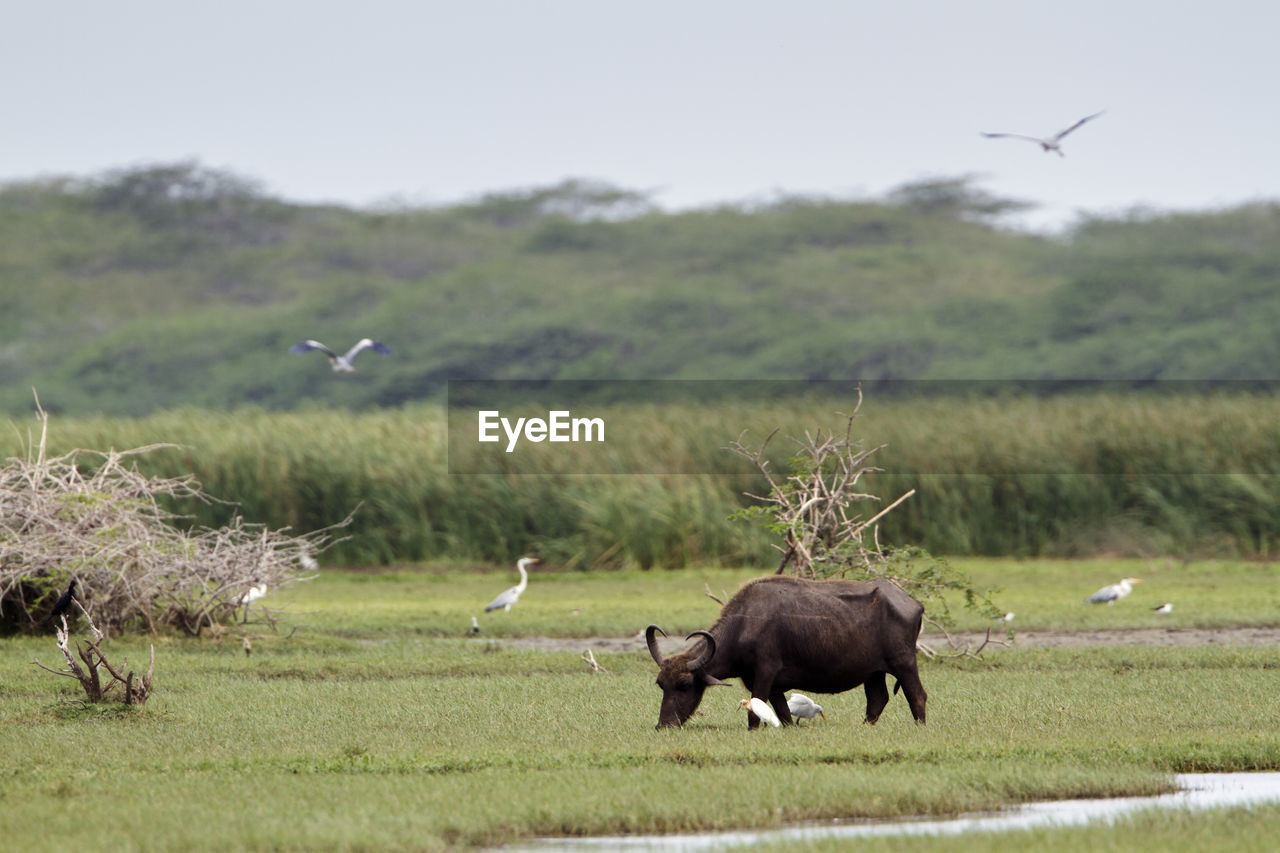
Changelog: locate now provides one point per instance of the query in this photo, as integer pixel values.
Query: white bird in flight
(1048, 143)
(509, 597)
(342, 363)
(1113, 593)
(1167, 607)
(804, 708)
(762, 711)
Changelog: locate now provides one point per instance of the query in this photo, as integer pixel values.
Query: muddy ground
(1022, 639)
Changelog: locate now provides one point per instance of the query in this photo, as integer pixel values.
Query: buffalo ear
(712, 681)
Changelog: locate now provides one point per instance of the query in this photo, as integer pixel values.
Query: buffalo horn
(652, 641)
(708, 650)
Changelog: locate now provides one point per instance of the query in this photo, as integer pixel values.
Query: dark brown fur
(781, 633)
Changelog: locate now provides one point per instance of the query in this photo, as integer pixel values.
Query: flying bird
(1113, 593)
(1049, 143)
(762, 711)
(509, 597)
(1167, 607)
(342, 363)
(804, 708)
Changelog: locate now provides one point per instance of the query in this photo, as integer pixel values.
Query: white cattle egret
(1008, 617)
(1113, 593)
(253, 593)
(1167, 607)
(1049, 143)
(804, 708)
(512, 595)
(762, 711)
(474, 629)
(342, 363)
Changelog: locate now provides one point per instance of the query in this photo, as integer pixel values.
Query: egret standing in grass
(804, 708)
(253, 593)
(762, 711)
(342, 363)
(1113, 593)
(508, 598)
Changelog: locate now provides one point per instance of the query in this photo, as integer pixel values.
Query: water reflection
(1198, 791)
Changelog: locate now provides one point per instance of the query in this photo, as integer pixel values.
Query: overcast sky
(700, 101)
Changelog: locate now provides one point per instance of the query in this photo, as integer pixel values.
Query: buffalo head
(682, 677)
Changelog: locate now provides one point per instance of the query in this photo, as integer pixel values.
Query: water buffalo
(780, 633)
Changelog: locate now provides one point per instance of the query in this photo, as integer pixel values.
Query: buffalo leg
(909, 680)
(779, 703)
(877, 696)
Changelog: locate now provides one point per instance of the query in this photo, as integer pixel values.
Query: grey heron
(1167, 607)
(804, 708)
(509, 597)
(1113, 593)
(1048, 143)
(762, 711)
(342, 363)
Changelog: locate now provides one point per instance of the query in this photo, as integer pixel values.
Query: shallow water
(1199, 791)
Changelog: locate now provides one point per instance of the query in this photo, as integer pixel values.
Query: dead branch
(814, 505)
(591, 661)
(873, 519)
(89, 650)
(959, 648)
(712, 595)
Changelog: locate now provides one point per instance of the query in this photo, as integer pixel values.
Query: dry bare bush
(92, 517)
(90, 674)
(815, 510)
(814, 507)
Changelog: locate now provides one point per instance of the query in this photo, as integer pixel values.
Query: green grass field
(368, 722)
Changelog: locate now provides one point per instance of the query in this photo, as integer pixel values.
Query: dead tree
(94, 660)
(93, 519)
(815, 510)
(813, 507)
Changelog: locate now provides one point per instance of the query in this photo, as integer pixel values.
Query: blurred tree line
(179, 285)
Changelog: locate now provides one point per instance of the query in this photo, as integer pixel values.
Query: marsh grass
(1078, 474)
(370, 728)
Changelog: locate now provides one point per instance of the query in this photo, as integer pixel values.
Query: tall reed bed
(1071, 474)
